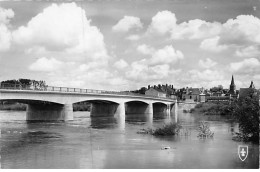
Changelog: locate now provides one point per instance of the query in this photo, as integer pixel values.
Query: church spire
(232, 87)
(232, 81)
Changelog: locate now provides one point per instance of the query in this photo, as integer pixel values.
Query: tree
(143, 90)
(24, 84)
(246, 111)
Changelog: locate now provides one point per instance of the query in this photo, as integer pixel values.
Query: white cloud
(162, 22)
(133, 37)
(138, 70)
(5, 33)
(195, 29)
(127, 23)
(166, 55)
(141, 71)
(63, 28)
(160, 71)
(240, 30)
(145, 49)
(205, 78)
(166, 22)
(5, 38)
(247, 66)
(207, 63)
(46, 65)
(121, 64)
(211, 44)
(6, 15)
(250, 51)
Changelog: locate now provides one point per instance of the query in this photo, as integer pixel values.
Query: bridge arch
(136, 107)
(137, 101)
(159, 108)
(96, 100)
(162, 103)
(101, 107)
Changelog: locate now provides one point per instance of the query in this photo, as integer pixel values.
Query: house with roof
(155, 91)
(248, 92)
(192, 93)
(169, 90)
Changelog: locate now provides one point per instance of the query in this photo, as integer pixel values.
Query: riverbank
(213, 108)
(244, 111)
(14, 107)
(22, 107)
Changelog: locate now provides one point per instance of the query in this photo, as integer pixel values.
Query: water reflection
(103, 122)
(100, 143)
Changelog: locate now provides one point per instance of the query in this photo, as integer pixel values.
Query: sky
(128, 44)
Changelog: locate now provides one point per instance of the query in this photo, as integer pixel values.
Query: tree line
(24, 84)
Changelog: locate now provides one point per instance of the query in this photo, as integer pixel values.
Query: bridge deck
(67, 90)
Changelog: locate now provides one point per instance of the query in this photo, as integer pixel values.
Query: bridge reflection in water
(56, 103)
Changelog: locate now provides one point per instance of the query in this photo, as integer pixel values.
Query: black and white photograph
(129, 84)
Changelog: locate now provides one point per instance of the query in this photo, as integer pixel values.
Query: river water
(102, 143)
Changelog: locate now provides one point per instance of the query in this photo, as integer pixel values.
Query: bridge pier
(150, 113)
(168, 111)
(174, 109)
(68, 112)
(120, 115)
(49, 112)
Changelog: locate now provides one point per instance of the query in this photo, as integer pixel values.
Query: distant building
(248, 92)
(218, 98)
(169, 90)
(155, 91)
(202, 98)
(192, 93)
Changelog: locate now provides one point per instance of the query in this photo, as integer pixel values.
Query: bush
(167, 130)
(204, 130)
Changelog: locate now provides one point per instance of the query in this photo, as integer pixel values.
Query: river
(101, 143)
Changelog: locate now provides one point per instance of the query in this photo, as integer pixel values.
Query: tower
(232, 87)
(252, 85)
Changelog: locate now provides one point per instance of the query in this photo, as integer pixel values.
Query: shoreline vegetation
(213, 108)
(246, 112)
(22, 107)
(13, 107)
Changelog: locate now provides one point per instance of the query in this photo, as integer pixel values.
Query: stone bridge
(56, 103)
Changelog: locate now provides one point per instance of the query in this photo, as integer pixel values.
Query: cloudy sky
(126, 44)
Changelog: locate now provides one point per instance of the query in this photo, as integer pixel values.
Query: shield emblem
(242, 152)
